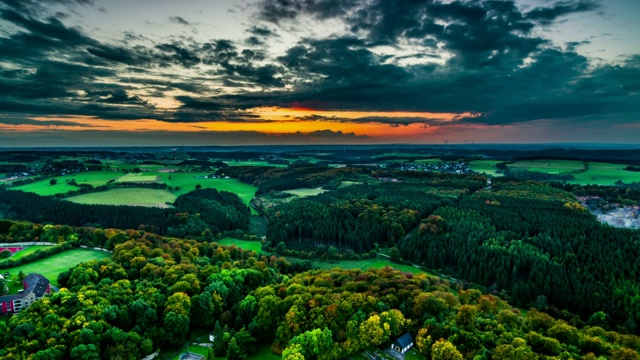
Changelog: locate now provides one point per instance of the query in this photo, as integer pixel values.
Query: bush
(5, 254)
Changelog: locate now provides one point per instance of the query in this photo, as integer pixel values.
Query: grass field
(377, 263)
(252, 163)
(127, 196)
(304, 192)
(605, 174)
(52, 266)
(485, 166)
(551, 166)
(264, 353)
(94, 178)
(137, 177)
(243, 244)
(26, 251)
(597, 174)
(196, 349)
(429, 161)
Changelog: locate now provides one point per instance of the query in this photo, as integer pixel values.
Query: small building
(35, 287)
(403, 343)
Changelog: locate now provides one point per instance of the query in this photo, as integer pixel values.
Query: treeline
(537, 243)
(437, 180)
(295, 176)
(217, 211)
(357, 218)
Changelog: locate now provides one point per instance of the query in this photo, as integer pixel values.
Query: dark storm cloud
(480, 57)
(547, 15)
(8, 120)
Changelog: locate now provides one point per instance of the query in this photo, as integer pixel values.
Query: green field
(127, 196)
(26, 251)
(429, 161)
(138, 177)
(196, 349)
(253, 163)
(596, 174)
(485, 166)
(376, 263)
(551, 166)
(52, 266)
(243, 244)
(605, 174)
(94, 178)
(304, 192)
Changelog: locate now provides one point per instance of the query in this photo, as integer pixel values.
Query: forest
(156, 290)
(526, 240)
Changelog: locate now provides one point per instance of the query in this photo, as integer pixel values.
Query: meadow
(243, 244)
(127, 196)
(597, 173)
(137, 177)
(485, 166)
(52, 266)
(550, 166)
(253, 163)
(375, 263)
(304, 192)
(605, 174)
(44, 188)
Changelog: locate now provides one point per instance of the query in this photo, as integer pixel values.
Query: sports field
(52, 266)
(243, 244)
(127, 196)
(304, 192)
(485, 166)
(551, 166)
(43, 187)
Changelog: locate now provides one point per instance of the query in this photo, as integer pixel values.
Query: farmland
(606, 174)
(485, 166)
(376, 263)
(138, 177)
(52, 266)
(128, 196)
(43, 187)
(548, 166)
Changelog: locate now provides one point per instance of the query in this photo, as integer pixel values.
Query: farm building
(403, 343)
(35, 287)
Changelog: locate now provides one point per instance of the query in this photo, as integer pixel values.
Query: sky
(223, 72)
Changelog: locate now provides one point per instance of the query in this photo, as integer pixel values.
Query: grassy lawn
(196, 349)
(304, 192)
(243, 244)
(127, 196)
(413, 354)
(605, 174)
(551, 166)
(52, 266)
(344, 184)
(94, 178)
(26, 251)
(485, 166)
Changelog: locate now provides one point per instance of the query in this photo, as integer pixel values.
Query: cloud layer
(481, 57)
